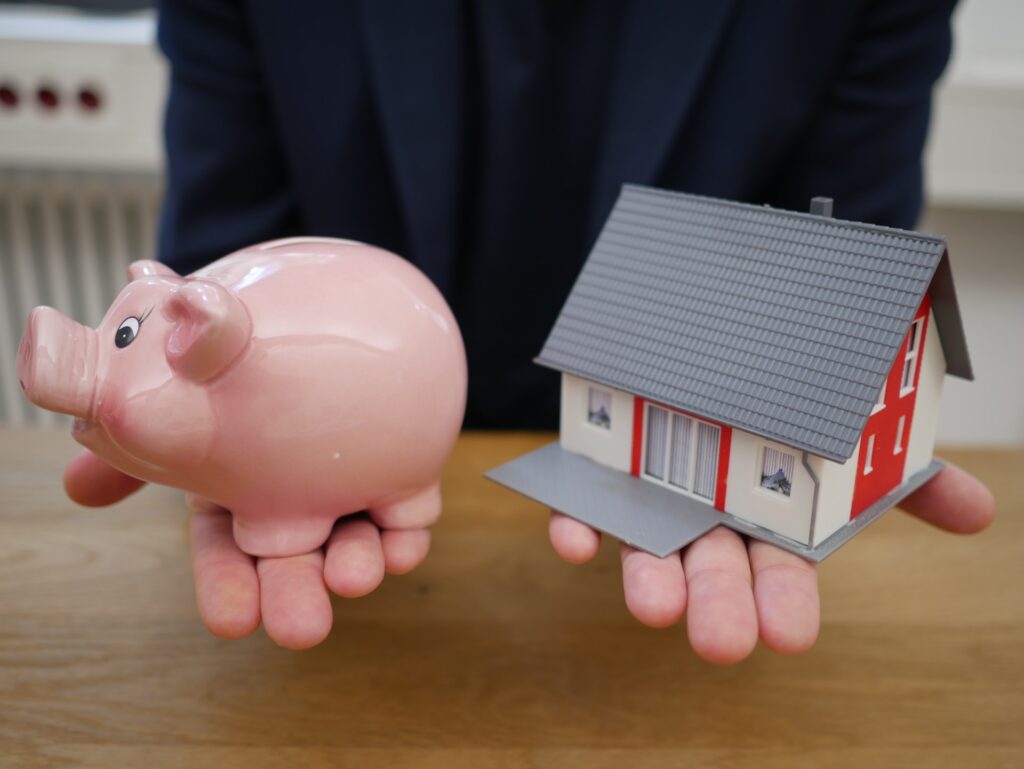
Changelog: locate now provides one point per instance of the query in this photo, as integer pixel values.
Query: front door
(681, 452)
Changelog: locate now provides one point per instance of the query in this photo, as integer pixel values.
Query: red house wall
(887, 465)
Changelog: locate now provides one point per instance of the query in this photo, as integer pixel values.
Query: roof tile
(780, 323)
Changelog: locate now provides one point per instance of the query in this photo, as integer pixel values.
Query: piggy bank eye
(126, 332)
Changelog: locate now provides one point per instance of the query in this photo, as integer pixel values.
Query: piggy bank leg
(416, 511)
(275, 536)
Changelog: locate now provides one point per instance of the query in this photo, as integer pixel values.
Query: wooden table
(494, 652)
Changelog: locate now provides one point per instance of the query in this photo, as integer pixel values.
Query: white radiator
(66, 241)
(80, 168)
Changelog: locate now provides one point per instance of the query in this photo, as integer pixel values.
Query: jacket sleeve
(227, 181)
(864, 145)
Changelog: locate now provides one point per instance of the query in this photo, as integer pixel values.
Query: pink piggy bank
(292, 383)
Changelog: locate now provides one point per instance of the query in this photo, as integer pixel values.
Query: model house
(729, 364)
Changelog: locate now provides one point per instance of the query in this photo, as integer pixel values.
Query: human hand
(235, 592)
(733, 591)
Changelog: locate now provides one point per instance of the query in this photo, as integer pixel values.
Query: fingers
(290, 593)
(574, 541)
(953, 500)
(359, 554)
(296, 607)
(293, 599)
(354, 565)
(404, 550)
(786, 598)
(90, 481)
(655, 588)
(227, 590)
(721, 619)
(415, 512)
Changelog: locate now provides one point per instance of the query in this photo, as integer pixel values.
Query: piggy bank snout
(57, 362)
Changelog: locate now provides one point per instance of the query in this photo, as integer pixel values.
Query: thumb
(90, 481)
(953, 500)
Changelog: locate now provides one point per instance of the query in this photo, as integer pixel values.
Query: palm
(733, 592)
(236, 592)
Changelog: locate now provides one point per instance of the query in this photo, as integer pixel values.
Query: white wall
(975, 183)
(974, 152)
(115, 55)
(789, 516)
(986, 250)
(925, 419)
(611, 447)
(835, 494)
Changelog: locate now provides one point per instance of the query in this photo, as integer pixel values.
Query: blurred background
(81, 94)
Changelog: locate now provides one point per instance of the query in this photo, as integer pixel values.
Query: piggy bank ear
(212, 327)
(144, 267)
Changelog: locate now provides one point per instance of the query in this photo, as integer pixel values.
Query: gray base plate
(652, 517)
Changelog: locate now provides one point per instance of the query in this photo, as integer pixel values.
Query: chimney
(821, 206)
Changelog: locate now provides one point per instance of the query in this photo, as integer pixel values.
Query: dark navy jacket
(486, 140)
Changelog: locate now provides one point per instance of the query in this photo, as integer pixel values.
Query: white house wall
(924, 423)
(835, 493)
(789, 516)
(612, 447)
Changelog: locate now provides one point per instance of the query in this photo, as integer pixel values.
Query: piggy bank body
(292, 383)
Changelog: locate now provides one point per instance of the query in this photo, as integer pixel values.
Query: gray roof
(779, 323)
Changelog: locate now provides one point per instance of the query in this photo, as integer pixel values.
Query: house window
(880, 403)
(680, 454)
(910, 359)
(681, 451)
(657, 442)
(869, 454)
(900, 426)
(777, 471)
(599, 408)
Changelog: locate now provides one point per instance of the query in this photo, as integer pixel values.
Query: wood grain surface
(494, 653)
